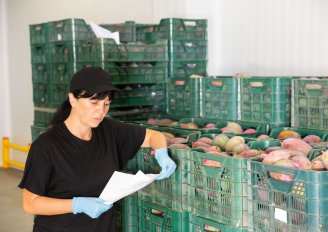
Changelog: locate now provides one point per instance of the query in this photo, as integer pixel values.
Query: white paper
(280, 214)
(122, 184)
(101, 32)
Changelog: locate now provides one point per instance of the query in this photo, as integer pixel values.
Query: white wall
(265, 37)
(4, 85)
(20, 14)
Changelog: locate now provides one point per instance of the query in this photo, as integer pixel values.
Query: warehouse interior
(272, 38)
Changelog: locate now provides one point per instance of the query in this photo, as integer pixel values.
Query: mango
(294, 152)
(200, 144)
(205, 140)
(210, 126)
(311, 139)
(211, 163)
(250, 153)
(284, 163)
(226, 130)
(285, 134)
(232, 142)
(165, 121)
(274, 156)
(168, 135)
(240, 148)
(324, 159)
(152, 121)
(189, 125)
(263, 137)
(235, 127)
(317, 165)
(297, 145)
(217, 153)
(270, 149)
(303, 162)
(177, 140)
(179, 146)
(220, 140)
(212, 148)
(249, 131)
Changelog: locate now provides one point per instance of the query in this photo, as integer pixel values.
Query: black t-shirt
(60, 165)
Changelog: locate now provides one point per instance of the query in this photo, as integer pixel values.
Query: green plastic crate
(39, 33)
(201, 122)
(63, 52)
(168, 221)
(299, 205)
(40, 54)
(137, 72)
(261, 128)
(174, 120)
(184, 96)
(199, 224)
(58, 93)
(43, 116)
(146, 95)
(62, 73)
(310, 104)
(36, 131)
(220, 98)
(41, 94)
(107, 50)
(184, 69)
(266, 100)
(69, 30)
(219, 193)
(188, 50)
(173, 29)
(41, 73)
(127, 30)
(171, 192)
(127, 214)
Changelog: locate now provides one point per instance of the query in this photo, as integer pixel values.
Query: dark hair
(64, 109)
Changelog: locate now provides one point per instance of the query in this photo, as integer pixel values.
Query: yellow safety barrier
(6, 161)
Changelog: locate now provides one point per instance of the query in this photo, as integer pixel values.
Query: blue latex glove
(92, 206)
(167, 164)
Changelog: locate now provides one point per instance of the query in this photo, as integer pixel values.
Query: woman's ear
(72, 99)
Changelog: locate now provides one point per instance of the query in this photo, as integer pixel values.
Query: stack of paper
(122, 184)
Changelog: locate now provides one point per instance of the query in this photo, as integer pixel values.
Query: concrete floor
(12, 216)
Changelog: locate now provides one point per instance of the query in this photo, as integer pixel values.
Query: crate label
(38, 28)
(190, 23)
(179, 82)
(191, 65)
(256, 84)
(189, 44)
(217, 83)
(313, 86)
(59, 37)
(280, 215)
(211, 163)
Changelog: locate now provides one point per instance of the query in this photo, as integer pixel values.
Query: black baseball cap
(92, 80)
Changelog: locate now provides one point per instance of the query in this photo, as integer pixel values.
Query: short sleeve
(37, 170)
(129, 139)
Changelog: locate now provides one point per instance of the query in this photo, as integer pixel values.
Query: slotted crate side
(69, 30)
(171, 192)
(127, 214)
(43, 116)
(39, 33)
(41, 73)
(183, 96)
(127, 30)
(188, 50)
(184, 69)
(266, 99)
(40, 53)
(218, 189)
(310, 104)
(42, 94)
(173, 29)
(199, 224)
(220, 98)
(153, 218)
(298, 205)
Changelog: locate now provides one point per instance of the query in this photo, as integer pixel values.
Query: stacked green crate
(310, 103)
(127, 30)
(138, 69)
(187, 48)
(219, 98)
(127, 214)
(266, 100)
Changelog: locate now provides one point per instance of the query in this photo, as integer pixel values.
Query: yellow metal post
(5, 152)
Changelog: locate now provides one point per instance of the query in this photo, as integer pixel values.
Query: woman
(69, 165)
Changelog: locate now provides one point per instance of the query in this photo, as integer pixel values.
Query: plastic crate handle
(313, 86)
(211, 228)
(179, 82)
(211, 163)
(157, 213)
(256, 84)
